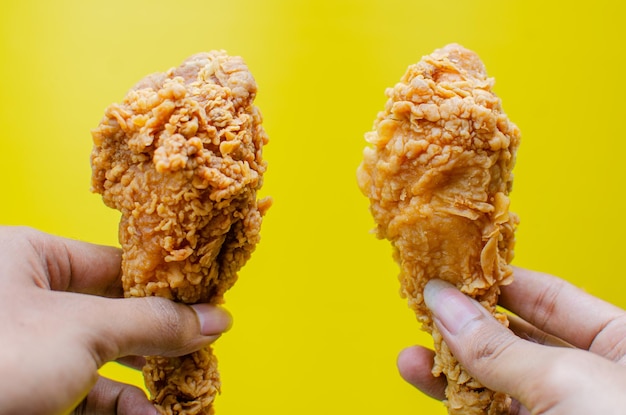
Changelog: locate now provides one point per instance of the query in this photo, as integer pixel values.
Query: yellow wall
(318, 321)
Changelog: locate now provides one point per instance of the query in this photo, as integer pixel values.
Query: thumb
(488, 350)
(151, 326)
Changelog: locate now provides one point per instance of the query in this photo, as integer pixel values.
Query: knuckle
(610, 341)
(168, 317)
(545, 305)
(174, 324)
(489, 348)
(485, 345)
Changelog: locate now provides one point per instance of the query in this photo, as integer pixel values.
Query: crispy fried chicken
(181, 158)
(438, 174)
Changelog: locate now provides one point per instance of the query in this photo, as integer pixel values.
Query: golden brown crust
(438, 174)
(181, 158)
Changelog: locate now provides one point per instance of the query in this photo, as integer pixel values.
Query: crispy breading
(181, 158)
(438, 173)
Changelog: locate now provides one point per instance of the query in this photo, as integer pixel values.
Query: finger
(527, 331)
(93, 269)
(115, 328)
(488, 350)
(133, 362)
(62, 264)
(415, 365)
(558, 307)
(112, 398)
(517, 408)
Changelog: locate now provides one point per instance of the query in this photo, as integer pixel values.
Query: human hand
(568, 356)
(59, 327)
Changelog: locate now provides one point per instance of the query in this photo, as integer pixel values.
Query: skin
(565, 354)
(63, 316)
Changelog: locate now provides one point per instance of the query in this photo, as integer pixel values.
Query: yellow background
(318, 320)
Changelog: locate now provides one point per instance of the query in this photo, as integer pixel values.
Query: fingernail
(213, 320)
(450, 306)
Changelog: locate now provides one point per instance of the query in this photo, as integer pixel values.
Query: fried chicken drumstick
(438, 175)
(181, 158)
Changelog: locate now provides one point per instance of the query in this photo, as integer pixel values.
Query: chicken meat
(181, 158)
(438, 172)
